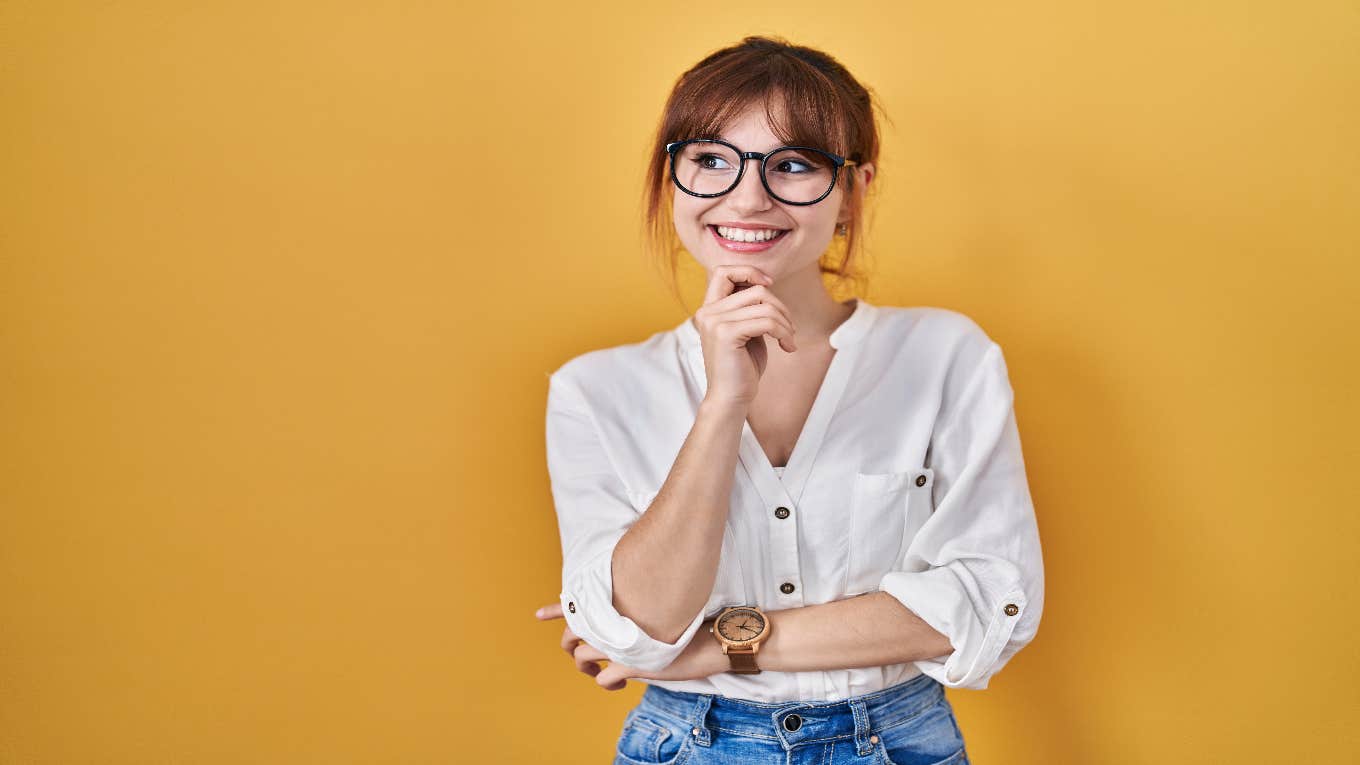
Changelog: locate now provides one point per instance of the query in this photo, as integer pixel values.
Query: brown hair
(825, 106)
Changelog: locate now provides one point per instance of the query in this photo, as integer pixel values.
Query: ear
(866, 172)
(863, 175)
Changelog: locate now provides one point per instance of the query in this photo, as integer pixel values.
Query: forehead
(752, 126)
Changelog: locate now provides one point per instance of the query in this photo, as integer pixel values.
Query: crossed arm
(869, 630)
(977, 565)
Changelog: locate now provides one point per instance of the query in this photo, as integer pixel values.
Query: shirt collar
(849, 332)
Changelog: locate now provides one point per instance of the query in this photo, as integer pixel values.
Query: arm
(869, 630)
(635, 585)
(974, 572)
(665, 565)
(970, 594)
(970, 591)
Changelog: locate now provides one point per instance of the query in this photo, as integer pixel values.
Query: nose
(750, 196)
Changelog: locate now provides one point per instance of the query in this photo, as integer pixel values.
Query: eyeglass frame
(742, 156)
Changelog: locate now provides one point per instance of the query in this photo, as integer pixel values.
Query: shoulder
(618, 372)
(944, 333)
(943, 350)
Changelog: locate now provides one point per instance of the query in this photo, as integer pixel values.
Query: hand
(702, 657)
(738, 311)
(570, 640)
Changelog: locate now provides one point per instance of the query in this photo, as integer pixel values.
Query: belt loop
(862, 745)
(698, 720)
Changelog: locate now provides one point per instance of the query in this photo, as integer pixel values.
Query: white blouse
(906, 478)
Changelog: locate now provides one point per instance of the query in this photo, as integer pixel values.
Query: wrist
(739, 632)
(715, 661)
(724, 407)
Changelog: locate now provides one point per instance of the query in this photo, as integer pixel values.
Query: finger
(584, 663)
(569, 641)
(754, 296)
(590, 652)
(737, 333)
(591, 668)
(613, 677)
(708, 316)
(788, 337)
(550, 611)
(725, 279)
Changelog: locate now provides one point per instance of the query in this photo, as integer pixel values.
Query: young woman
(795, 519)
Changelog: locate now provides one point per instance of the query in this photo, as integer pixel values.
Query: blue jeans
(911, 723)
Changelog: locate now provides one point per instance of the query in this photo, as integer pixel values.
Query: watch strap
(743, 662)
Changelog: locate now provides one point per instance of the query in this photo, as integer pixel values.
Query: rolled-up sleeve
(974, 570)
(593, 513)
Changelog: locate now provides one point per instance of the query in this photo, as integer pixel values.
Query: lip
(744, 246)
(737, 224)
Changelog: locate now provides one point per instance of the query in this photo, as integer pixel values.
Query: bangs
(801, 106)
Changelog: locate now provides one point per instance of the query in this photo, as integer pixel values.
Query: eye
(796, 165)
(711, 162)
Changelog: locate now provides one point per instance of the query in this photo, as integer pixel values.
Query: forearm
(664, 566)
(869, 630)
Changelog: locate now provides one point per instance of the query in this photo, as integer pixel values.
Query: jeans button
(793, 722)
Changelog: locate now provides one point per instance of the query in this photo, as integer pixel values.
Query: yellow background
(280, 285)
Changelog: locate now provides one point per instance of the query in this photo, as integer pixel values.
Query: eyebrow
(722, 137)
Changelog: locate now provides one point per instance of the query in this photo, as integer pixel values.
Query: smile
(748, 234)
(746, 239)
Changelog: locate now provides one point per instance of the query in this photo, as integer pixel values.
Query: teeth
(747, 235)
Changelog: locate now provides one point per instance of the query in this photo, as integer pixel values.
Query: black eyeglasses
(795, 175)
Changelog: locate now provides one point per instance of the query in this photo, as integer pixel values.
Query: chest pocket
(886, 511)
(729, 586)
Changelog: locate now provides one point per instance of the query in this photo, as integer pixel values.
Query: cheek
(815, 225)
(687, 210)
(686, 217)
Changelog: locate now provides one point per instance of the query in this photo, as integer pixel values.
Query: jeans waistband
(796, 722)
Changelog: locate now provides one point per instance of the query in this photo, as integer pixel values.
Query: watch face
(741, 624)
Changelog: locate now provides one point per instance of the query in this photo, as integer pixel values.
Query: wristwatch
(740, 630)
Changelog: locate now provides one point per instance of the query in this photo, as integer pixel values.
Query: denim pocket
(929, 738)
(651, 739)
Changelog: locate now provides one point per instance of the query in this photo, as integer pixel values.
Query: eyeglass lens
(794, 175)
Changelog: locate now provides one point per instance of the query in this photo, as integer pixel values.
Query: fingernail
(539, 613)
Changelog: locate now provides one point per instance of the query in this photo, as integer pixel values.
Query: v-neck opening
(809, 437)
(790, 480)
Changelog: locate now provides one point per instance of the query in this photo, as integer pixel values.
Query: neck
(811, 307)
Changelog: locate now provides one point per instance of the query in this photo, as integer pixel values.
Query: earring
(842, 229)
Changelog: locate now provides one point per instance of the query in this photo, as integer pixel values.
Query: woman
(795, 519)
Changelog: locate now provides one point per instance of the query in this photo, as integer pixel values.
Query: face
(805, 230)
